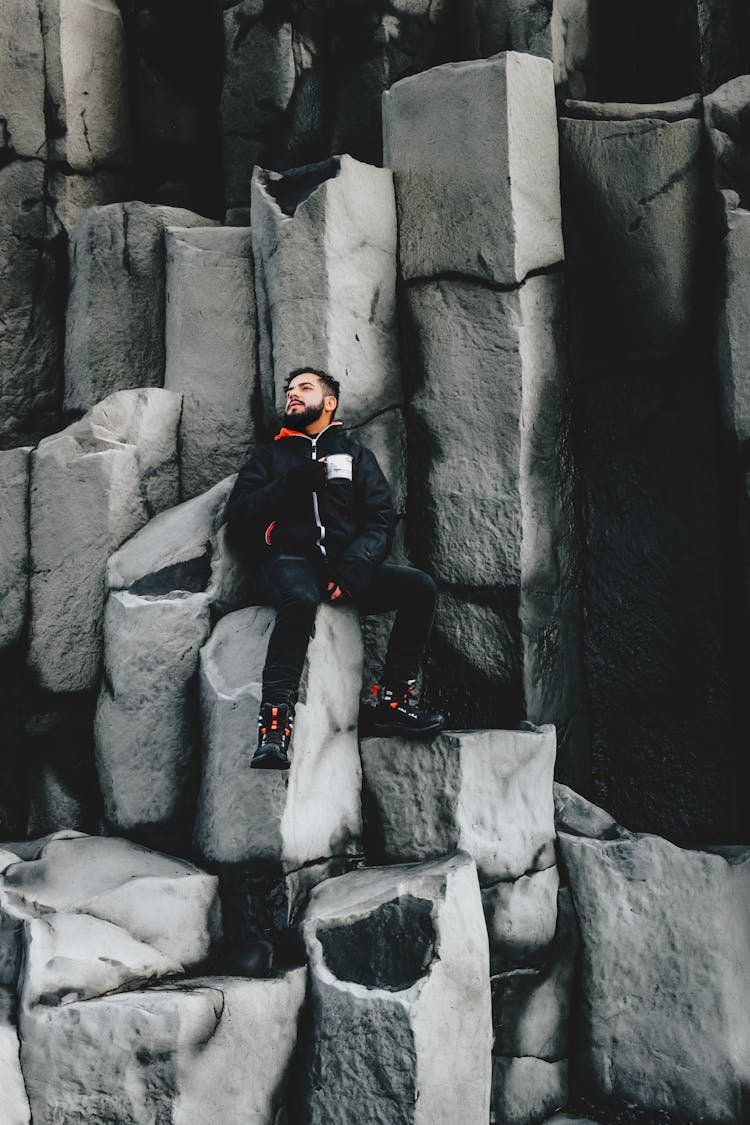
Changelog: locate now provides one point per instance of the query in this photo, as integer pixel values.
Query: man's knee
(303, 600)
(422, 586)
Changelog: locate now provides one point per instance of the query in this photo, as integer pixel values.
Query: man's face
(305, 401)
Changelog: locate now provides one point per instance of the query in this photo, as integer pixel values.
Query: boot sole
(269, 761)
(386, 730)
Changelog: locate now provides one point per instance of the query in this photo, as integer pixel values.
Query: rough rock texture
(29, 345)
(15, 1103)
(92, 486)
(325, 258)
(398, 964)
(86, 94)
(314, 812)
(114, 328)
(145, 727)
(525, 1090)
(645, 439)
(488, 792)
(22, 79)
(483, 131)
(521, 917)
(579, 817)
(211, 349)
(117, 882)
(212, 1048)
(14, 543)
(663, 1021)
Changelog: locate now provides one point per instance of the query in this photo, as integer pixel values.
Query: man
(312, 513)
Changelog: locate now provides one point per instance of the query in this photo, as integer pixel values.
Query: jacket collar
(286, 432)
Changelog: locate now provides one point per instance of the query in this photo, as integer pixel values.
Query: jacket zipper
(316, 509)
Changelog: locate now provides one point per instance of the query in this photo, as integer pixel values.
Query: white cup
(339, 466)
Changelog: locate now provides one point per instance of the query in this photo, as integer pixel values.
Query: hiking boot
(396, 713)
(275, 723)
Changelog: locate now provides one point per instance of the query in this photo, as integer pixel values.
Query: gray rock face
(114, 329)
(92, 486)
(525, 1090)
(579, 817)
(398, 964)
(22, 78)
(724, 111)
(484, 131)
(573, 48)
(521, 917)
(28, 344)
(664, 932)
(325, 260)
(314, 813)
(212, 1048)
(211, 349)
(86, 83)
(15, 1101)
(14, 543)
(145, 730)
(488, 792)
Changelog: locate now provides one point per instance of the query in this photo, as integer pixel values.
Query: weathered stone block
(14, 543)
(145, 727)
(92, 485)
(664, 973)
(211, 349)
(114, 328)
(314, 813)
(21, 79)
(474, 150)
(521, 917)
(527, 1090)
(398, 964)
(212, 1048)
(325, 266)
(488, 792)
(15, 1102)
(86, 83)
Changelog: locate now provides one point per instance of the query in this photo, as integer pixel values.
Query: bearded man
(311, 512)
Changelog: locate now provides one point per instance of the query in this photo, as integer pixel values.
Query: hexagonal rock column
(92, 485)
(508, 616)
(313, 814)
(665, 974)
(146, 730)
(114, 327)
(211, 349)
(398, 964)
(206, 1049)
(14, 543)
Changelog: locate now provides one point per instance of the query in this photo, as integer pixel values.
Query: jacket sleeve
(377, 523)
(255, 498)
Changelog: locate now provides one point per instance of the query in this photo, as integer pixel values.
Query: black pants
(296, 586)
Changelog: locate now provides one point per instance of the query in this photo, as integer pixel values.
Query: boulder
(211, 348)
(86, 93)
(521, 917)
(29, 352)
(527, 1090)
(488, 792)
(324, 240)
(145, 728)
(15, 1104)
(92, 485)
(114, 327)
(398, 966)
(313, 813)
(207, 1049)
(14, 543)
(22, 79)
(664, 974)
(482, 131)
(160, 901)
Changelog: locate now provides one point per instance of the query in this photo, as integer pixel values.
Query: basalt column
(490, 507)
(646, 424)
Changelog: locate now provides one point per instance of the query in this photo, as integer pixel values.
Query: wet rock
(211, 348)
(114, 328)
(484, 131)
(662, 1020)
(15, 1102)
(145, 726)
(14, 543)
(398, 964)
(325, 259)
(521, 917)
(200, 1050)
(488, 792)
(313, 812)
(92, 485)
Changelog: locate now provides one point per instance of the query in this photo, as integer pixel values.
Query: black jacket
(349, 522)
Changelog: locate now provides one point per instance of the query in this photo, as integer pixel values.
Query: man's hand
(308, 476)
(335, 592)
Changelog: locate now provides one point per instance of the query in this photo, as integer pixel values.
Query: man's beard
(301, 418)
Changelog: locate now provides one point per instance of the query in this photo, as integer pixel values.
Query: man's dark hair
(331, 386)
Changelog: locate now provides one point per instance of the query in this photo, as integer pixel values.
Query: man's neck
(318, 426)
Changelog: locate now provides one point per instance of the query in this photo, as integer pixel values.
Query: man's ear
(330, 404)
